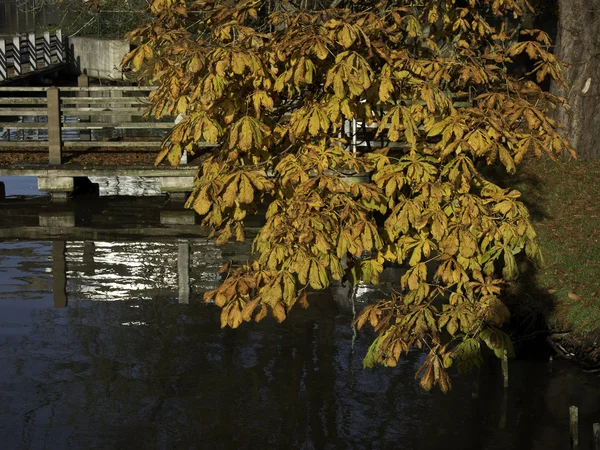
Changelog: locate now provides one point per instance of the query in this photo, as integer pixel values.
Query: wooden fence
(121, 107)
(28, 53)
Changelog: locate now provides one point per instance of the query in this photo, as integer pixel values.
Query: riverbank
(563, 199)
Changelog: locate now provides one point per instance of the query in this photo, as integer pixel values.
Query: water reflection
(106, 344)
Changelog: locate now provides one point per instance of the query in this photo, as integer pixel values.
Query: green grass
(564, 200)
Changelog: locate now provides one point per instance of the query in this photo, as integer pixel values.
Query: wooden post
(47, 49)
(83, 81)
(32, 51)
(504, 410)
(2, 191)
(183, 271)
(574, 426)
(17, 55)
(505, 368)
(3, 61)
(59, 274)
(54, 126)
(597, 436)
(87, 260)
(184, 156)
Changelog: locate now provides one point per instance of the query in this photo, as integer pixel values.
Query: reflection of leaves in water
(166, 358)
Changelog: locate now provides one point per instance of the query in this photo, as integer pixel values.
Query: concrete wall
(99, 58)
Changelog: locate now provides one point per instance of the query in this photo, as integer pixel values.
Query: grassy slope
(564, 199)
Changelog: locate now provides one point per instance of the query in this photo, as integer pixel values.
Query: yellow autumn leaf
(246, 135)
(279, 312)
(210, 132)
(386, 88)
(231, 192)
(245, 190)
(347, 35)
(468, 244)
(320, 50)
(202, 204)
(272, 294)
(314, 123)
(174, 155)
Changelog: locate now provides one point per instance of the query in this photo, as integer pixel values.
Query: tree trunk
(578, 43)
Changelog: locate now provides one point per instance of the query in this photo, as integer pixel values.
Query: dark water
(106, 344)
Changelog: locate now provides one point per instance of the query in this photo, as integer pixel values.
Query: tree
(578, 43)
(430, 87)
(102, 18)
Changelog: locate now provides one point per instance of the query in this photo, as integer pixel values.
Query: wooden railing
(27, 53)
(122, 105)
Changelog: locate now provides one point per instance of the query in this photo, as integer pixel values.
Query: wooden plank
(92, 144)
(72, 111)
(23, 101)
(108, 113)
(98, 171)
(22, 89)
(109, 234)
(19, 144)
(99, 112)
(110, 144)
(130, 125)
(88, 126)
(87, 100)
(23, 126)
(23, 112)
(110, 88)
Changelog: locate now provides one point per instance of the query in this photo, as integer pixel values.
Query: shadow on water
(529, 304)
(102, 346)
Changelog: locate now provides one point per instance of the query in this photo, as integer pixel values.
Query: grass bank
(564, 200)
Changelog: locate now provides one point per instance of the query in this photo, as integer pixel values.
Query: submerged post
(54, 126)
(59, 274)
(504, 410)
(183, 271)
(574, 426)
(597, 436)
(505, 368)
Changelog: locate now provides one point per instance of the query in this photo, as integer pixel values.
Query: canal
(103, 347)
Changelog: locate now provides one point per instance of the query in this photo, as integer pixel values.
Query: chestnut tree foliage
(430, 86)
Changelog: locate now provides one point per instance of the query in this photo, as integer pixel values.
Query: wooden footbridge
(49, 132)
(59, 134)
